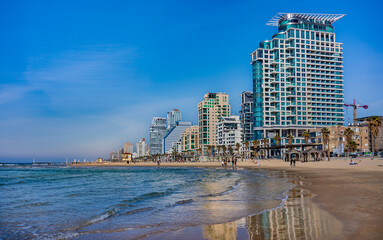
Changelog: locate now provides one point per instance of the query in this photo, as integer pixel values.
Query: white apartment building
(229, 131)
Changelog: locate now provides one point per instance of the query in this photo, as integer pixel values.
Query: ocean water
(60, 202)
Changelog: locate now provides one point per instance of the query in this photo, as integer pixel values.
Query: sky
(80, 78)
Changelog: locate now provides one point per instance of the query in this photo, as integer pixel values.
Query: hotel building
(298, 77)
(210, 110)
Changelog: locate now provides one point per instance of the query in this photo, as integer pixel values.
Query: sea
(65, 202)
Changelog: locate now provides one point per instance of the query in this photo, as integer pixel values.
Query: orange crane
(355, 107)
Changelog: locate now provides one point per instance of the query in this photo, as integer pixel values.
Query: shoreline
(364, 164)
(352, 194)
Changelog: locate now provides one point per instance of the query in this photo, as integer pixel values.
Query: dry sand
(353, 194)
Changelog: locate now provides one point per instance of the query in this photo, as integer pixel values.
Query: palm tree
(290, 138)
(230, 149)
(224, 149)
(277, 139)
(352, 146)
(374, 124)
(265, 142)
(208, 150)
(199, 151)
(262, 153)
(219, 149)
(326, 140)
(174, 154)
(255, 144)
(306, 136)
(237, 147)
(348, 132)
(247, 144)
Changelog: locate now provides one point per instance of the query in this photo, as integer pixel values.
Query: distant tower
(120, 152)
(142, 148)
(128, 148)
(247, 116)
(172, 118)
(157, 134)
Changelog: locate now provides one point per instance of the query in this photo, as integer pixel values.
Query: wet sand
(353, 197)
(331, 200)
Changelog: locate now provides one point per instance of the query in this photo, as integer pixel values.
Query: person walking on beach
(292, 161)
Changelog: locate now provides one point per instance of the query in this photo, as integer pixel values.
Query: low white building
(229, 131)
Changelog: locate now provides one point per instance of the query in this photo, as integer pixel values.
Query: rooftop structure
(311, 17)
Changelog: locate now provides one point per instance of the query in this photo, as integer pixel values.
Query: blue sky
(80, 78)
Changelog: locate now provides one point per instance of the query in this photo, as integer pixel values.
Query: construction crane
(354, 108)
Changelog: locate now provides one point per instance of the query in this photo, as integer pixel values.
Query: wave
(230, 189)
(182, 202)
(136, 211)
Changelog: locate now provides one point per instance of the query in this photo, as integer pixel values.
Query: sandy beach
(351, 195)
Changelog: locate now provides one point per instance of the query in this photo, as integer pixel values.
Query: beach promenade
(353, 194)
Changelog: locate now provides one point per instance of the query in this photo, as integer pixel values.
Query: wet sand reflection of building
(295, 220)
(227, 231)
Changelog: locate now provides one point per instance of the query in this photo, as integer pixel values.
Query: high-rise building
(174, 135)
(210, 110)
(246, 116)
(298, 77)
(142, 148)
(157, 134)
(229, 131)
(128, 147)
(189, 139)
(172, 118)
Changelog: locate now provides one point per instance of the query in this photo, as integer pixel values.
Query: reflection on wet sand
(220, 231)
(298, 219)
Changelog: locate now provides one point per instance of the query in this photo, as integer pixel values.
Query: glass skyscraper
(246, 116)
(172, 118)
(157, 134)
(298, 77)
